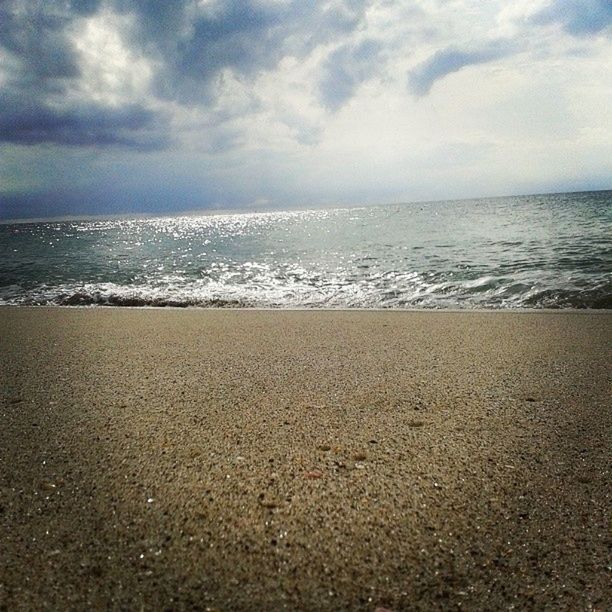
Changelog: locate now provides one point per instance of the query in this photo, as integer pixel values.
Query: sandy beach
(259, 460)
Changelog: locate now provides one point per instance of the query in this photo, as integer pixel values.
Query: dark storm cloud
(32, 123)
(346, 68)
(194, 45)
(34, 33)
(422, 78)
(43, 66)
(190, 45)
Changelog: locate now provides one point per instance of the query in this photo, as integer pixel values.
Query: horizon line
(196, 212)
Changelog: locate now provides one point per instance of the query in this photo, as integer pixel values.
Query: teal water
(548, 251)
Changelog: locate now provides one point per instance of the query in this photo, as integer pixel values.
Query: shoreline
(585, 311)
(237, 459)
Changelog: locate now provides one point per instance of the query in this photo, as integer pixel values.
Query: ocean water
(545, 251)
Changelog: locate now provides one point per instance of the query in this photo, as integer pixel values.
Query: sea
(537, 251)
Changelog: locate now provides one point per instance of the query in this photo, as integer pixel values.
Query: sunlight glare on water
(534, 251)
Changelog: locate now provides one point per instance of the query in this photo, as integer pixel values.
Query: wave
(96, 299)
(534, 252)
(485, 292)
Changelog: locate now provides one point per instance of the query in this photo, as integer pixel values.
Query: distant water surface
(548, 251)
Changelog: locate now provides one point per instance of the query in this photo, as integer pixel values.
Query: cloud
(580, 18)
(192, 44)
(577, 17)
(239, 99)
(345, 69)
(30, 123)
(74, 70)
(41, 99)
(85, 7)
(422, 78)
(36, 36)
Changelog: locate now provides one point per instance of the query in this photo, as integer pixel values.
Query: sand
(230, 460)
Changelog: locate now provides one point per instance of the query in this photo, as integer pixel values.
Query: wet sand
(230, 460)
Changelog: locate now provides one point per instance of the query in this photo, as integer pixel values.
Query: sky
(114, 106)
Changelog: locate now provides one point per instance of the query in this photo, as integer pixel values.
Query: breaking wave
(472, 295)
